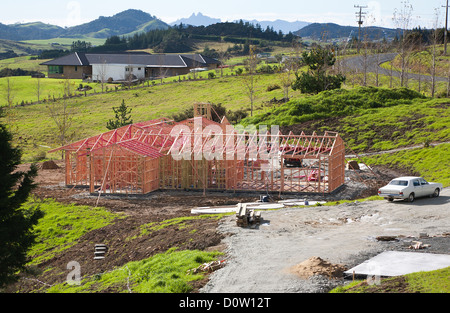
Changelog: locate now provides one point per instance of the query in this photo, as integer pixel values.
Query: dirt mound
(49, 165)
(316, 266)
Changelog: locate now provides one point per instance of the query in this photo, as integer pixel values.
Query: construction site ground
(266, 258)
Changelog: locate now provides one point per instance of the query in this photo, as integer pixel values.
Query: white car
(409, 188)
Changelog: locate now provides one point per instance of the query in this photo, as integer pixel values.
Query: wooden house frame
(140, 158)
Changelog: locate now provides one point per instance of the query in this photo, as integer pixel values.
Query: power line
(360, 21)
(446, 28)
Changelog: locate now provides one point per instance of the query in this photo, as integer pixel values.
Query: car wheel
(436, 193)
(411, 197)
(390, 199)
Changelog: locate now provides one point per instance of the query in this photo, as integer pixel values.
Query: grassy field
(23, 48)
(24, 63)
(65, 42)
(24, 89)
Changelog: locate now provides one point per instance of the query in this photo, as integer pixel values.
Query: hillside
(319, 31)
(120, 24)
(278, 25)
(37, 30)
(123, 23)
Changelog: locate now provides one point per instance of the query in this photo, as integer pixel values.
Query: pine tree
(16, 222)
(317, 79)
(122, 117)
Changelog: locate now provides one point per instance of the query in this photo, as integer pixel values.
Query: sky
(342, 12)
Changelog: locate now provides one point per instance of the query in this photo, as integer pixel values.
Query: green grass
(168, 272)
(24, 63)
(420, 282)
(62, 226)
(24, 89)
(65, 42)
(432, 163)
(399, 126)
(335, 103)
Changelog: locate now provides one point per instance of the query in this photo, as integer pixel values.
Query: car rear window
(399, 183)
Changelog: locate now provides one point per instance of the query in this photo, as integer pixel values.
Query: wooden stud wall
(111, 168)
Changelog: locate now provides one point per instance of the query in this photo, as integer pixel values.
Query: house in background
(122, 67)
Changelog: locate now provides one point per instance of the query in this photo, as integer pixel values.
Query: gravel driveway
(258, 260)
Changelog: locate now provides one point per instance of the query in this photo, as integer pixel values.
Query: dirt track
(259, 260)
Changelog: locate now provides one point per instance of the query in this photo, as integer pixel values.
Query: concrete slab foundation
(393, 263)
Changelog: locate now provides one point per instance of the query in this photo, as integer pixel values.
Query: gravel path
(258, 260)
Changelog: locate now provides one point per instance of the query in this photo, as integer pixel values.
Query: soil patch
(393, 285)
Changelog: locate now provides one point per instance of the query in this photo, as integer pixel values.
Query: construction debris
(387, 238)
(417, 245)
(246, 217)
(208, 267)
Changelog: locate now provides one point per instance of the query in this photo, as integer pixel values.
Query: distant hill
(197, 20)
(121, 24)
(37, 30)
(279, 25)
(333, 31)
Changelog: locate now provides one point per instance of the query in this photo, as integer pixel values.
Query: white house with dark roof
(126, 66)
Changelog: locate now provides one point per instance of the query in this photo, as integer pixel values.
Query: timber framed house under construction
(200, 154)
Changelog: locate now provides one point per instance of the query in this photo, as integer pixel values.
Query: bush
(273, 87)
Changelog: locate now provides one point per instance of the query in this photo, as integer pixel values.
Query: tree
(250, 80)
(122, 117)
(61, 114)
(402, 18)
(433, 63)
(316, 79)
(16, 222)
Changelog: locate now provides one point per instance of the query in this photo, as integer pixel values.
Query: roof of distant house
(143, 59)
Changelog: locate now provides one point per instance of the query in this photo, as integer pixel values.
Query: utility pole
(360, 21)
(446, 28)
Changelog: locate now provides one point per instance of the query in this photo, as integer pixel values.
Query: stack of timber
(246, 217)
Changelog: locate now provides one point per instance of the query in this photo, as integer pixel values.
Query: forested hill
(180, 38)
(320, 31)
(237, 29)
(121, 24)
